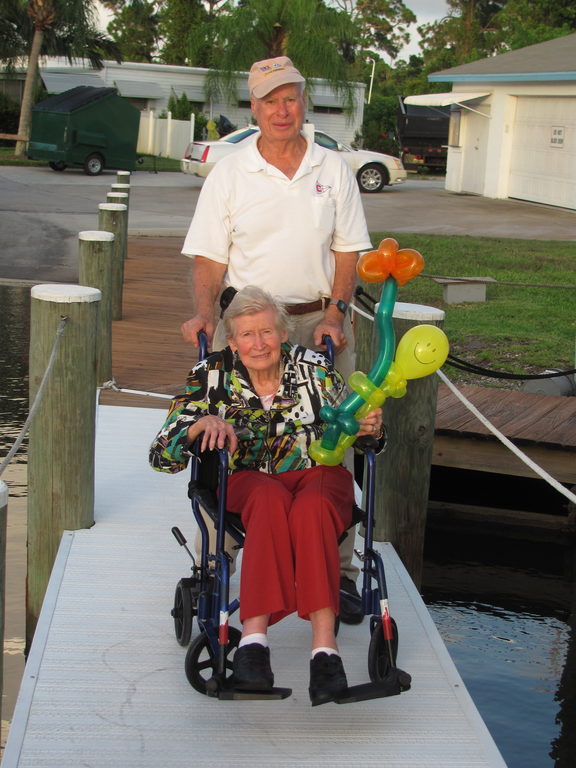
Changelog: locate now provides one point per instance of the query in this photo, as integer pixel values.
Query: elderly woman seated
(293, 510)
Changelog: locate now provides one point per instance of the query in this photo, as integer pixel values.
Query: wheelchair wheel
(378, 654)
(201, 663)
(183, 613)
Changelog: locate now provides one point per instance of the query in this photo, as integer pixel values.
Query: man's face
(280, 114)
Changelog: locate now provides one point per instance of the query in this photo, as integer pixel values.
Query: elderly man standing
(285, 214)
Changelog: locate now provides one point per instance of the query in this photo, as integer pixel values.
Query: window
(454, 129)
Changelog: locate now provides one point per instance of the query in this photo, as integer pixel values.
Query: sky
(425, 11)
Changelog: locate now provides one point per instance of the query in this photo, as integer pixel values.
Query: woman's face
(257, 340)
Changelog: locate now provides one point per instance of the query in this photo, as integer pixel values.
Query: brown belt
(310, 306)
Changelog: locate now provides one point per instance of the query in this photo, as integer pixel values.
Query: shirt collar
(312, 157)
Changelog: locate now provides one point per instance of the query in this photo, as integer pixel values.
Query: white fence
(164, 137)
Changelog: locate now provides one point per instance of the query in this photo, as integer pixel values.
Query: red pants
(293, 521)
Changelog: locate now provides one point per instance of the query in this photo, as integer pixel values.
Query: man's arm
(207, 276)
(342, 288)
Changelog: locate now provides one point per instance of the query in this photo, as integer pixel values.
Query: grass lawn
(527, 323)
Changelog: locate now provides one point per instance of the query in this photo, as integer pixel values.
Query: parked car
(373, 170)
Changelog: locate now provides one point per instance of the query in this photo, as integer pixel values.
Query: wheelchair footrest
(230, 694)
(395, 682)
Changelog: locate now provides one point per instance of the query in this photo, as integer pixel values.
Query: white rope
(508, 443)
(11, 453)
(112, 385)
(361, 312)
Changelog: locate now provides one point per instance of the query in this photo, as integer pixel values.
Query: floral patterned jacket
(269, 441)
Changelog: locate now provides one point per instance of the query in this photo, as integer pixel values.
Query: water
(512, 660)
(14, 339)
(504, 617)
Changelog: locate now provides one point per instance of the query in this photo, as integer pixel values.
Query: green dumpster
(90, 127)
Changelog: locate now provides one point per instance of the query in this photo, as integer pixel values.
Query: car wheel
(57, 166)
(94, 164)
(372, 177)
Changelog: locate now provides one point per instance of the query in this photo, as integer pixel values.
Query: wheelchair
(204, 595)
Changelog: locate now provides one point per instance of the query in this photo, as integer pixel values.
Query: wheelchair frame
(206, 593)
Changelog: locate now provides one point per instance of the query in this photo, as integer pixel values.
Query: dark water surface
(505, 620)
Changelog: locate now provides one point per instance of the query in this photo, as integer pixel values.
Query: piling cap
(65, 294)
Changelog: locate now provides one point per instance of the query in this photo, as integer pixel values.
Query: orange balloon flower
(388, 261)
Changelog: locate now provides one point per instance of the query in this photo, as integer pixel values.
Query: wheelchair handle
(202, 345)
(330, 353)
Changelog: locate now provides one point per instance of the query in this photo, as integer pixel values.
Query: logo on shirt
(322, 189)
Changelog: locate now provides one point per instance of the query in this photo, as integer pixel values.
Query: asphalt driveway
(42, 212)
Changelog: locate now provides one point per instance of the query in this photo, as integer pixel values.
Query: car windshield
(240, 136)
(329, 143)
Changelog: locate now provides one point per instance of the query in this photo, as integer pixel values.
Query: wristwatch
(342, 306)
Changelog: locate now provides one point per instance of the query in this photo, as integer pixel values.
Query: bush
(9, 118)
(379, 131)
(181, 108)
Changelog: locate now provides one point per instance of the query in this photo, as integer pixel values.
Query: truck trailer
(423, 136)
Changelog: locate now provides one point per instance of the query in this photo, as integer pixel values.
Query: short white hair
(249, 301)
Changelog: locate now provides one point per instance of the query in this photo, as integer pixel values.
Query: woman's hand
(216, 433)
(371, 424)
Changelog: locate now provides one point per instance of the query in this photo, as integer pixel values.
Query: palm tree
(320, 40)
(57, 27)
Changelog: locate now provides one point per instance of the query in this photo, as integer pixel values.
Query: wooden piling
(125, 188)
(117, 197)
(96, 258)
(123, 177)
(112, 218)
(3, 533)
(403, 470)
(62, 430)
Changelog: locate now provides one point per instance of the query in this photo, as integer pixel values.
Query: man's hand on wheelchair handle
(192, 327)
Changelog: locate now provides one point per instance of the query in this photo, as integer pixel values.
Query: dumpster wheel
(94, 164)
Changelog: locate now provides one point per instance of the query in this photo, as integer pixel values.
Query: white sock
(255, 637)
(329, 651)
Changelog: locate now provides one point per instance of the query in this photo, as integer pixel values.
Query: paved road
(41, 213)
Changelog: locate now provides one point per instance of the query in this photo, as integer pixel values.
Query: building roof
(551, 60)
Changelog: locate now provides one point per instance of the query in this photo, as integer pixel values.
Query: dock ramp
(104, 685)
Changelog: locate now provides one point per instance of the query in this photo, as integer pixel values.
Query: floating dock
(104, 685)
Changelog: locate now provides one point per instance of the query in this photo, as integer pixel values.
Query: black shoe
(350, 611)
(327, 678)
(251, 668)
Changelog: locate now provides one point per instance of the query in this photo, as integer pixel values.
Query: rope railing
(111, 385)
(38, 398)
(495, 431)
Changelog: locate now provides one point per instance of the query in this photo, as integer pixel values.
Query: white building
(149, 86)
(513, 124)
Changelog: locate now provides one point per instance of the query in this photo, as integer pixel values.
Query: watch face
(342, 306)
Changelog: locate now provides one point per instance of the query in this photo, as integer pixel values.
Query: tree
(474, 29)
(383, 24)
(320, 40)
(135, 29)
(181, 25)
(57, 27)
(526, 22)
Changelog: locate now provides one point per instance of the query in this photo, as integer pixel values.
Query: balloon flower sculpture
(421, 351)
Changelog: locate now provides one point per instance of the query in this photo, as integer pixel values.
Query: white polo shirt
(275, 232)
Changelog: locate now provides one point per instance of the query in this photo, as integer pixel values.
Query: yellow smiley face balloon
(421, 351)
